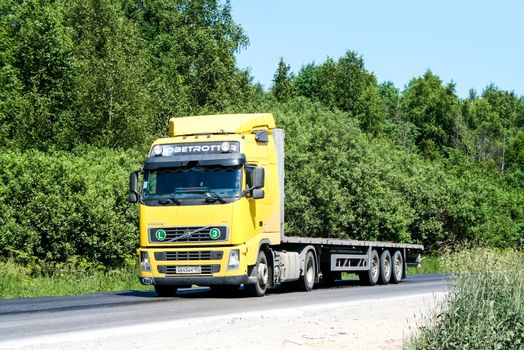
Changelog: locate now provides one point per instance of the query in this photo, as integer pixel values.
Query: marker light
(145, 264)
(157, 150)
(225, 147)
(234, 260)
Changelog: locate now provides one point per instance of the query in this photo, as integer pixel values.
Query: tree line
(427, 114)
(85, 86)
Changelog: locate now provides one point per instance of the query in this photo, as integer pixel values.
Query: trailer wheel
(385, 268)
(259, 288)
(306, 282)
(370, 277)
(397, 267)
(165, 291)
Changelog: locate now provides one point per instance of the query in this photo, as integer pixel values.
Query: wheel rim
(374, 268)
(310, 273)
(398, 267)
(387, 267)
(263, 274)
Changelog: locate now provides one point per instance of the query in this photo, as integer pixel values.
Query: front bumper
(202, 281)
(212, 262)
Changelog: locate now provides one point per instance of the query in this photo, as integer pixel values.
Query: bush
(54, 207)
(341, 183)
(485, 306)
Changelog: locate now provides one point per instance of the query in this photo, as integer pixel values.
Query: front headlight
(233, 262)
(145, 264)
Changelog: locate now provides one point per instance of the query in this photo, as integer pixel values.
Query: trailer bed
(346, 242)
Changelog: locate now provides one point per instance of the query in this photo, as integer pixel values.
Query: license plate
(188, 269)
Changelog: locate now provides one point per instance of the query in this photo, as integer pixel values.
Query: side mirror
(257, 178)
(133, 187)
(133, 198)
(257, 193)
(261, 136)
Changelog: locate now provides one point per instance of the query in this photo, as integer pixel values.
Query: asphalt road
(22, 318)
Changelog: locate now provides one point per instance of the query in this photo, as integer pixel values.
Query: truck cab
(209, 198)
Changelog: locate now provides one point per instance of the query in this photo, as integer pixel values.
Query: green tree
(306, 81)
(345, 85)
(111, 100)
(398, 130)
(36, 69)
(391, 96)
(192, 46)
(433, 108)
(283, 88)
(516, 151)
(493, 119)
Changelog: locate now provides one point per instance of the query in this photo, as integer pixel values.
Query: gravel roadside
(372, 324)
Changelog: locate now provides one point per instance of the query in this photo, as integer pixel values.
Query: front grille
(205, 270)
(188, 234)
(192, 255)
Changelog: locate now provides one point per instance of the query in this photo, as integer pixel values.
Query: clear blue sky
(472, 43)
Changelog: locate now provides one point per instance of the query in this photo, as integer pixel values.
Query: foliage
(429, 264)
(191, 47)
(61, 206)
(86, 85)
(433, 109)
(485, 306)
(283, 88)
(111, 73)
(345, 85)
(342, 183)
(110, 97)
(36, 67)
(494, 123)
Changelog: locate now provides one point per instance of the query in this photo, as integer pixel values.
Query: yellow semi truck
(211, 212)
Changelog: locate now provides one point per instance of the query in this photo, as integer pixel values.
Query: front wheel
(259, 288)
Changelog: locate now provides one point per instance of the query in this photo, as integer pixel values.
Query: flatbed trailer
(212, 214)
(353, 256)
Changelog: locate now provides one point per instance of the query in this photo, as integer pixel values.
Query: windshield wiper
(212, 196)
(170, 199)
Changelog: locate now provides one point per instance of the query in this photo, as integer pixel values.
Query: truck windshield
(192, 182)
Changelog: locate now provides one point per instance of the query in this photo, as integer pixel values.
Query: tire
(397, 264)
(165, 291)
(385, 268)
(259, 288)
(306, 282)
(370, 277)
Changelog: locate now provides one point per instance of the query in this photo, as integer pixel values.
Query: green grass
(77, 277)
(17, 281)
(485, 306)
(428, 264)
